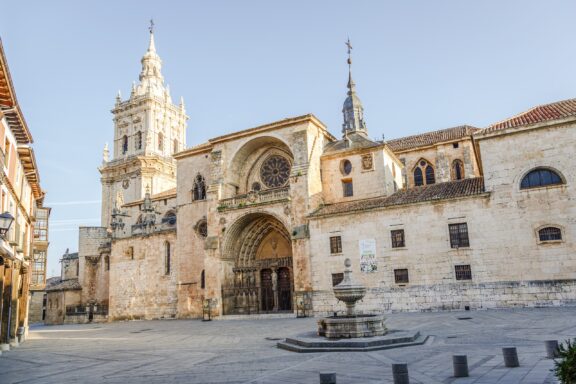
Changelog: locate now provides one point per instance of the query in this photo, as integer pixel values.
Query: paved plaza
(240, 351)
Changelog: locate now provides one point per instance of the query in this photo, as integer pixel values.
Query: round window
(422, 163)
(256, 187)
(275, 171)
(346, 167)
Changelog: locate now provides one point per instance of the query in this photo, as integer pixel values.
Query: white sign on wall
(368, 256)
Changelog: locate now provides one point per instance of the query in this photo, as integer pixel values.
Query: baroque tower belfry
(148, 130)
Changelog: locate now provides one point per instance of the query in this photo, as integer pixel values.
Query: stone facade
(261, 220)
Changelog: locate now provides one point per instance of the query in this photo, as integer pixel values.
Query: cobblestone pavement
(240, 351)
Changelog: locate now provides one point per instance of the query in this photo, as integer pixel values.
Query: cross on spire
(349, 45)
(151, 27)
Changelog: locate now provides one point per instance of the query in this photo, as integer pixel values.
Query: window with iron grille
(550, 234)
(459, 235)
(397, 238)
(463, 272)
(337, 278)
(348, 188)
(401, 276)
(335, 244)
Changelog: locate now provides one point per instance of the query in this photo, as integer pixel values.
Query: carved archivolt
(256, 236)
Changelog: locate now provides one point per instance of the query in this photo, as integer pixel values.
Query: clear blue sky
(418, 65)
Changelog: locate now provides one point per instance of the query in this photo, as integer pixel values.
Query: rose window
(275, 171)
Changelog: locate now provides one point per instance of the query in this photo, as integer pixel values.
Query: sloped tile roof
(429, 138)
(52, 281)
(65, 285)
(353, 141)
(440, 191)
(540, 113)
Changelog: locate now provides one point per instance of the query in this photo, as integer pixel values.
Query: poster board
(368, 262)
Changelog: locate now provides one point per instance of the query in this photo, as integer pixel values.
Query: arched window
(199, 191)
(175, 146)
(124, 144)
(550, 234)
(457, 170)
(138, 140)
(203, 280)
(167, 258)
(160, 141)
(418, 180)
(169, 218)
(430, 179)
(540, 177)
(423, 173)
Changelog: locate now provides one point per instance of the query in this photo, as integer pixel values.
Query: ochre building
(261, 220)
(22, 250)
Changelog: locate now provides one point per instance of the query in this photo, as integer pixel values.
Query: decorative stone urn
(349, 291)
(352, 324)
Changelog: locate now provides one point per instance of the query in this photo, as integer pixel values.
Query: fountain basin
(339, 327)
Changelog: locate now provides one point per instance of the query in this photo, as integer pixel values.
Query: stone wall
(441, 157)
(508, 263)
(139, 286)
(457, 296)
(377, 180)
(36, 307)
(93, 267)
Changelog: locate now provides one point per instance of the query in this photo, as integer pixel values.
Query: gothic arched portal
(261, 278)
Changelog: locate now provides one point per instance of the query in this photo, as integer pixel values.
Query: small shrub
(565, 365)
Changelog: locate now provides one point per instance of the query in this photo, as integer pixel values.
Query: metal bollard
(551, 348)
(327, 378)
(400, 373)
(510, 357)
(460, 363)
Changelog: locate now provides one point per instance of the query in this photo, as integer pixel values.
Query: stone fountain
(351, 332)
(351, 324)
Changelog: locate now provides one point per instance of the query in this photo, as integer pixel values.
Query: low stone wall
(82, 318)
(456, 296)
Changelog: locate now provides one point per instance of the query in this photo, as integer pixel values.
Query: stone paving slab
(244, 351)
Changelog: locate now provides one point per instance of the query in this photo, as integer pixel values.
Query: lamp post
(6, 220)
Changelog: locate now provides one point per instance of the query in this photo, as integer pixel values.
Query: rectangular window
(459, 235)
(335, 244)
(463, 272)
(348, 188)
(397, 238)
(337, 278)
(401, 276)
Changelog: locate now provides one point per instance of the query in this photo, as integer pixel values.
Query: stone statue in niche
(274, 280)
(367, 162)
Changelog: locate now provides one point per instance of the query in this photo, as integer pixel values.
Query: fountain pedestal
(351, 325)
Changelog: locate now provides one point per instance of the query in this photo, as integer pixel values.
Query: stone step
(258, 316)
(308, 343)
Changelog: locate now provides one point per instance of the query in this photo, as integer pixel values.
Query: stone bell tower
(148, 130)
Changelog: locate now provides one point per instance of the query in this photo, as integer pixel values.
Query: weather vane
(151, 27)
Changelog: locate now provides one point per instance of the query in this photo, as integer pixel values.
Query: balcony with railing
(253, 198)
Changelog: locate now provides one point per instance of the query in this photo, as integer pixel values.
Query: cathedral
(260, 221)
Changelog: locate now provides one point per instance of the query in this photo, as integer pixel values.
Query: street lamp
(6, 220)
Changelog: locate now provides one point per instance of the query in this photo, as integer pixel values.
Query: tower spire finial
(351, 85)
(151, 27)
(352, 110)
